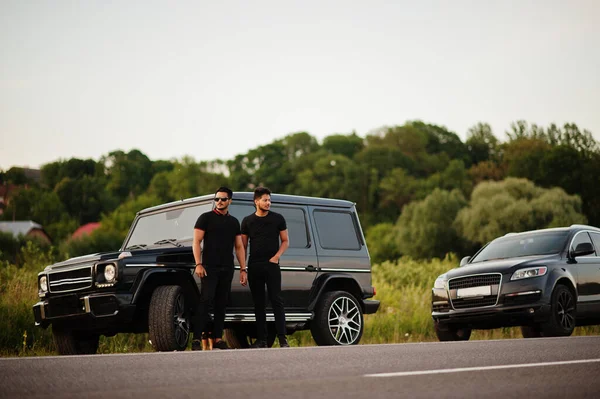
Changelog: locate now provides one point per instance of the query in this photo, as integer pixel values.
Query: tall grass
(403, 288)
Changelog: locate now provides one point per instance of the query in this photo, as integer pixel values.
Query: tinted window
(296, 224)
(523, 245)
(336, 230)
(596, 240)
(175, 223)
(580, 238)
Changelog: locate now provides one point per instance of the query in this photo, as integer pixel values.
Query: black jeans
(215, 290)
(269, 274)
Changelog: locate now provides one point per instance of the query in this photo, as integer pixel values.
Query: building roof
(19, 228)
(86, 229)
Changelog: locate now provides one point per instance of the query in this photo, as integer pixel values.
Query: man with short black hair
(220, 232)
(264, 228)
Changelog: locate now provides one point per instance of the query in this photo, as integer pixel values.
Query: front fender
(152, 278)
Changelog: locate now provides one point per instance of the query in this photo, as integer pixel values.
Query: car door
(299, 263)
(588, 276)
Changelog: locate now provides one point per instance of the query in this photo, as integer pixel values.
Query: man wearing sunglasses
(220, 232)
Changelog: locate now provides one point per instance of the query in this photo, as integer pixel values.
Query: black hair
(260, 191)
(224, 189)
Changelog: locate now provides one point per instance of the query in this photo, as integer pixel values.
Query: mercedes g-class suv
(149, 285)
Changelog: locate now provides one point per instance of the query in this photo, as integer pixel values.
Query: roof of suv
(248, 196)
(572, 227)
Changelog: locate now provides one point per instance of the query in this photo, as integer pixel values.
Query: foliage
(515, 205)
(425, 228)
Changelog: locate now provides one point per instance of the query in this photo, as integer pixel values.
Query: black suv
(546, 281)
(149, 285)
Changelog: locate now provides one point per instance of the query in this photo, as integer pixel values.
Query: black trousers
(215, 290)
(260, 275)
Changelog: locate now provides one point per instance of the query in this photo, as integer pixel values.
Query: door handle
(311, 268)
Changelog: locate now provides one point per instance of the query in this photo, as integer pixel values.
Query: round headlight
(43, 284)
(110, 272)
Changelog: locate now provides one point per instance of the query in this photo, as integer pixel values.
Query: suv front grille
(70, 280)
(479, 280)
(474, 281)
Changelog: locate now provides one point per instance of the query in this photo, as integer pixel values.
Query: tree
(347, 145)
(515, 205)
(482, 144)
(382, 243)
(129, 174)
(425, 228)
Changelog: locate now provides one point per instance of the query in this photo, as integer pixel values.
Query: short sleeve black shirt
(263, 233)
(219, 237)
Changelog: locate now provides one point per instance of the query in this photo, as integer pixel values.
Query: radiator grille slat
(70, 280)
(479, 280)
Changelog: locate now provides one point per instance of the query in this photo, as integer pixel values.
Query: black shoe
(283, 343)
(259, 344)
(196, 345)
(220, 345)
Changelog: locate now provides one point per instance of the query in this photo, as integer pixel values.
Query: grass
(403, 288)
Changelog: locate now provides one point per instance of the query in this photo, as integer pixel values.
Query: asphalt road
(544, 367)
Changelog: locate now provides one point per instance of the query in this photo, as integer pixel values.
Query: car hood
(502, 265)
(153, 254)
(85, 259)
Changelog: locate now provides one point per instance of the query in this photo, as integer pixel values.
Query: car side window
(336, 230)
(596, 241)
(580, 238)
(296, 224)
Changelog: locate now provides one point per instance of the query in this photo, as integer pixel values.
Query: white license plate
(474, 291)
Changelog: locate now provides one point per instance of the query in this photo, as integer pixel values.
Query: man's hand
(274, 259)
(244, 277)
(200, 271)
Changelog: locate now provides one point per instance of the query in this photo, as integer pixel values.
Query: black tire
(563, 306)
(338, 320)
(452, 333)
(531, 331)
(243, 337)
(69, 342)
(168, 319)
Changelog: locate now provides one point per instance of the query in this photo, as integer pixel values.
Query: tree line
(420, 191)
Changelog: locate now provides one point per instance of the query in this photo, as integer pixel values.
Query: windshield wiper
(168, 241)
(137, 246)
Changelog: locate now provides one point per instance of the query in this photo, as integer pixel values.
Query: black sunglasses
(217, 199)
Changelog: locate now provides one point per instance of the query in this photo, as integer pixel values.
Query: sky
(214, 79)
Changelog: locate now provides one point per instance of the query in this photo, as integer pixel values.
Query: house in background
(86, 229)
(26, 228)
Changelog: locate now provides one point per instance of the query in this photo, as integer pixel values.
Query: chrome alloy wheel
(181, 321)
(345, 322)
(565, 310)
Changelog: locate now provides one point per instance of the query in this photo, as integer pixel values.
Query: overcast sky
(213, 79)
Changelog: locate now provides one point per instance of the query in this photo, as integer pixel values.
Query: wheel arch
(153, 278)
(335, 282)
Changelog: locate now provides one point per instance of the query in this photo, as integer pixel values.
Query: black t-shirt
(263, 233)
(219, 237)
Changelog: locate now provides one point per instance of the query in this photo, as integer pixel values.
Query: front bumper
(87, 309)
(513, 303)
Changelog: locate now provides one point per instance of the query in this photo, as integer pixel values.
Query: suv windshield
(174, 225)
(523, 245)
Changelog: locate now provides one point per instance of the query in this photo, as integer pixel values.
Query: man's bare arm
(285, 243)
(198, 237)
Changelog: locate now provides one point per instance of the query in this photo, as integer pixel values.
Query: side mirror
(464, 261)
(582, 249)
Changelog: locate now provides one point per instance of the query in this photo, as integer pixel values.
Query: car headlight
(441, 281)
(529, 272)
(110, 273)
(43, 284)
